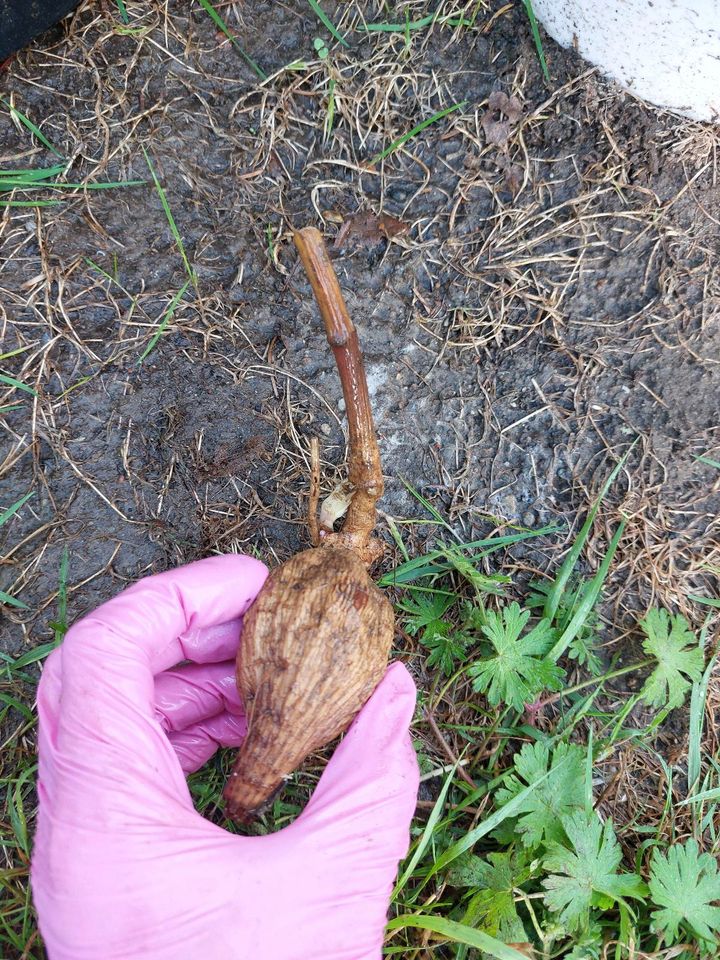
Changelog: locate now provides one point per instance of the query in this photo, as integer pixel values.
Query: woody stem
(364, 469)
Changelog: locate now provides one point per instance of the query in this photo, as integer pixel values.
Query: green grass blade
(397, 537)
(8, 185)
(12, 382)
(5, 516)
(416, 130)
(535, 30)
(401, 27)
(17, 809)
(330, 117)
(165, 320)
(11, 601)
(487, 826)
(123, 11)
(556, 591)
(27, 122)
(706, 601)
(80, 383)
(426, 834)
(458, 933)
(713, 794)
(589, 599)
(170, 219)
(106, 185)
(425, 565)
(435, 514)
(112, 279)
(29, 203)
(61, 625)
(327, 23)
(698, 699)
(221, 25)
(36, 173)
(18, 705)
(589, 775)
(32, 656)
(709, 462)
(14, 353)
(420, 24)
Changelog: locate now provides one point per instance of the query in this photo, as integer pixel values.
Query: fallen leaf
(510, 106)
(366, 227)
(525, 947)
(496, 131)
(513, 174)
(502, 113)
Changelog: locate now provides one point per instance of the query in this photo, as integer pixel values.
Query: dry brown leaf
(524, 947)
(496, 131)
(502, 114)
(366, 227)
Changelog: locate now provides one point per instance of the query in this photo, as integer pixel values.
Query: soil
(553, 298)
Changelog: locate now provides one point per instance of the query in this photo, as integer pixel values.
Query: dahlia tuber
(316, 641)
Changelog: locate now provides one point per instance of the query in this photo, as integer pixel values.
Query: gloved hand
(123, 866)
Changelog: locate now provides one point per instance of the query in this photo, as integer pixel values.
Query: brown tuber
(316, 641)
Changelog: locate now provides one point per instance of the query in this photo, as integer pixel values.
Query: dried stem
(314, 497)
(364, 469)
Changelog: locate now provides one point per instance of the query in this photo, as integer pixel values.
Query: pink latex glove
(124, 867)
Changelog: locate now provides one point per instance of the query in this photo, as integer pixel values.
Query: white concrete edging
(665, 51)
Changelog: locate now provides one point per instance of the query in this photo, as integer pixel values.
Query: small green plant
(559, 775)
(425, 619)
(320, 48)
(679, 660)
(518, 669)
(544, 871)
(685, 885)
(584, 874)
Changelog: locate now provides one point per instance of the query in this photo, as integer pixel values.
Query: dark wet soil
(555, 297)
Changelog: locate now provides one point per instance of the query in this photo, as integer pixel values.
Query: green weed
(452, 20)
(544, 872)
(123, 11)
(517, 856)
